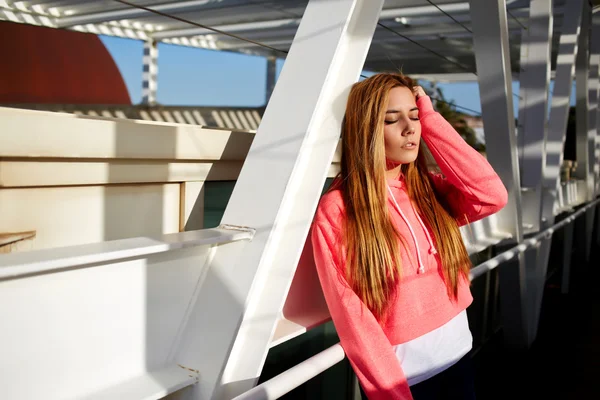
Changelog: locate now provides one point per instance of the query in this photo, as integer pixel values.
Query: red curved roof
(46, 65)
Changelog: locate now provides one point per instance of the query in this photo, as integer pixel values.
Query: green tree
(456, 119)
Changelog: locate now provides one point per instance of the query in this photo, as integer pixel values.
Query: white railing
(296, 376)
(103, 319)
(301, 373)
(512, 253)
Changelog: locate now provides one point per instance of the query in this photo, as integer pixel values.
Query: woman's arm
(469, 185)
(370, 352)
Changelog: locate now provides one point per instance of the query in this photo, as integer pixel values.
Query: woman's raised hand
(418, 92)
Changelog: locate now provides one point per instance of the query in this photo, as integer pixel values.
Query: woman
(387, 244)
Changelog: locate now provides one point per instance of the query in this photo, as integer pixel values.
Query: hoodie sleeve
(369, 350)
(469, 185)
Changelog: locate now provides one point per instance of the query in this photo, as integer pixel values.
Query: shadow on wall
(142, 210)
(211, 204)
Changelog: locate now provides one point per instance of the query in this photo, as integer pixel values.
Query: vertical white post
(490, 37)
(584, 132)
(271, 76)
(557, 124)
(594, 114)
(150, 75)
(533, 107)
(492, 55)
(232, 320)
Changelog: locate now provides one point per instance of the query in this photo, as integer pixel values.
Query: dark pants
(455, 383)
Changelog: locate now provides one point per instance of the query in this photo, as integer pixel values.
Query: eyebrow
(396, 111)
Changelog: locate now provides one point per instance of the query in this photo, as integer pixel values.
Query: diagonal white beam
(234, 316)
(559, 109)
(130, 12)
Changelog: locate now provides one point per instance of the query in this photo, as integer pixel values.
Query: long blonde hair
(373, 263)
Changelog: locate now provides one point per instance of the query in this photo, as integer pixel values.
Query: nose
(410, 130)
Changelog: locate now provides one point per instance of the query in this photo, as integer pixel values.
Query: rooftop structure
(124, 294)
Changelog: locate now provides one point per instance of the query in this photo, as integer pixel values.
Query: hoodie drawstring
(432, 249)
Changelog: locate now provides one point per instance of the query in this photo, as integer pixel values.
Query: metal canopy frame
(274, 23)
(234, 308)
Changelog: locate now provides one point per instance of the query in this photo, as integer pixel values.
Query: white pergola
(433, 40)
(227, 287)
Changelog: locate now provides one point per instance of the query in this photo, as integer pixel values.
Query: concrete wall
(75, 180)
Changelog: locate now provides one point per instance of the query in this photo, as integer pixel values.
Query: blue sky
(191, 76)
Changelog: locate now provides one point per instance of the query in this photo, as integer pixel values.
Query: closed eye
(394, 121)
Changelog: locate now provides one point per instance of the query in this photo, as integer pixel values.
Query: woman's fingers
(418, 92)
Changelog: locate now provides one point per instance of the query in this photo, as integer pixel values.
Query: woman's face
(402, 131)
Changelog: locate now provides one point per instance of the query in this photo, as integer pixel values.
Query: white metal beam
(131, 13)
(150, 72)
(594, 86)
(553, 151)
(235, 313)
(19, 15)
(557, 124)
(584, 132)
(391, 13)
(271, 77)
(421, 33)
(229, 28)
(490, 38)
(536, 49)
(425, 10)
(462, 17)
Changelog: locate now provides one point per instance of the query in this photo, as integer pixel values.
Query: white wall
(64, 215)
(78, 179)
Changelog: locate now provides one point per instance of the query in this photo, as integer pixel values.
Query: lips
(409, 145)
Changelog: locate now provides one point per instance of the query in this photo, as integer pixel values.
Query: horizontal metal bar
(390, 13)
(131, 13)
(513, 252)
(15, 265)
(230, 28)
(295, 376)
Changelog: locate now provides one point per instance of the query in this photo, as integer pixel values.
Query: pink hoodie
(473, 191)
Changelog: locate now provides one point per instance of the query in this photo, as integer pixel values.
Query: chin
(405, 158)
